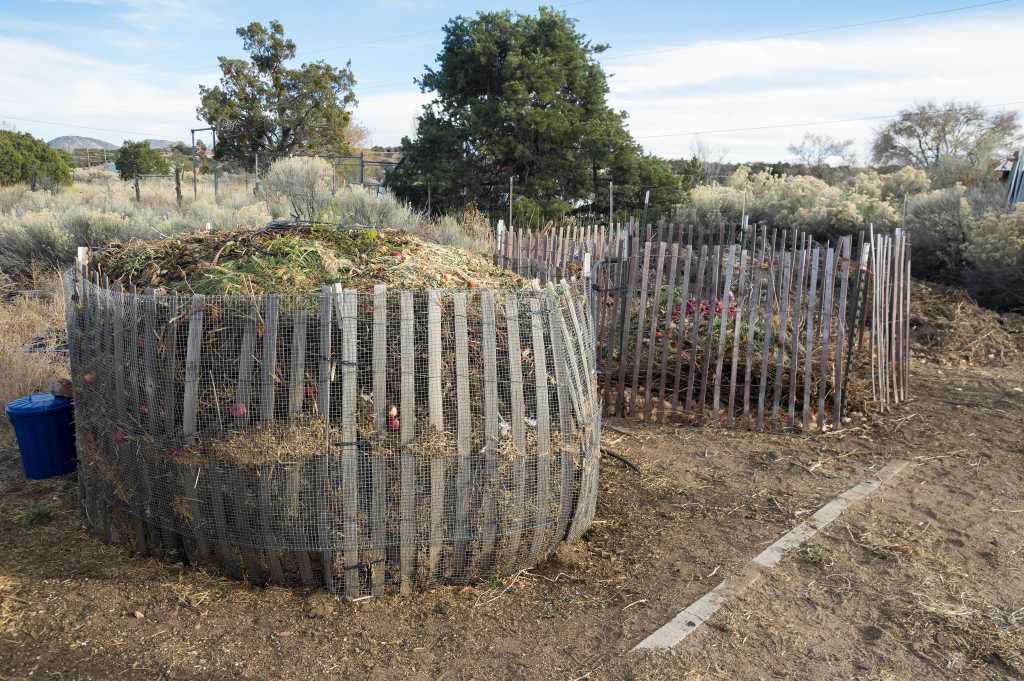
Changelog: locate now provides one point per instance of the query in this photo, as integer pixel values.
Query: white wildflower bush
(905, 182)
(797, 201)
(960, 235)
(995, 240)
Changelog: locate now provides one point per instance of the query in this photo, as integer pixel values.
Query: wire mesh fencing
(752, 327)
(365, 442)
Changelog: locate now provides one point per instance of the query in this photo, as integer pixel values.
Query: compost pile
(294, 261)
(949, 328)
(297, 258)
(432, 430)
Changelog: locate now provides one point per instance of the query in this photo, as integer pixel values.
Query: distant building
(1012, 171)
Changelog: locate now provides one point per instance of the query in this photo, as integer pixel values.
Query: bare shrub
(358, 206)
(304, 182)
(36, 240)
(470, 230)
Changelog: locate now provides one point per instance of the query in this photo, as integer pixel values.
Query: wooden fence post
(323, 494)
(348, 323)
(378, 531)
(407, 413)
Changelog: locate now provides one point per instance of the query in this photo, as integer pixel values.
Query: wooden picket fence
(259, 435)
(749, 327)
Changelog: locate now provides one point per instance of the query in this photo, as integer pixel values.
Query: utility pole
(511, 185)
(428, 198)
(195, 185)
(216, 166)
(362, 168)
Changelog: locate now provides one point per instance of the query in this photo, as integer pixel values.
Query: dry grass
(22, 320)
(10, 605)
(979, 631)
(954, 622)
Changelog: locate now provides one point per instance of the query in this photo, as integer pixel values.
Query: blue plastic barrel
(44, 425)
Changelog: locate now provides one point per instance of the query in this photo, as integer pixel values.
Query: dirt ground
(924, 580)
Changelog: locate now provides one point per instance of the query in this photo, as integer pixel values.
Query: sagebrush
(960, 235)
(42, 229)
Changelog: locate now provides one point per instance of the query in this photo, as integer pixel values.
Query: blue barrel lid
(37, 403)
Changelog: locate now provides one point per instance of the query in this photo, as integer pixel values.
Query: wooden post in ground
(407, 415)
(378, 532)
(463, 474)
(323, 494)
(438, 466)
(347, 321)
(540, 541)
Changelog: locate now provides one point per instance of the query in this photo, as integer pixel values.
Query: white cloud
(390, 115)
(722, 85)
(148, 15)
(702, 86)
(45, 83)
(39, 82)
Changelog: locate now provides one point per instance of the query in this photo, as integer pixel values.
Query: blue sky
(130, 68)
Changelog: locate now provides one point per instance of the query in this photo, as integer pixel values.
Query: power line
(372, 85)
(370, 43)
(802, 125)
(908, 17)
(303, 54)
(377, 41)
(150, 135)
(839, 27)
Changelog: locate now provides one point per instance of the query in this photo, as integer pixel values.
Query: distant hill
(70, 142)
(159, 144)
